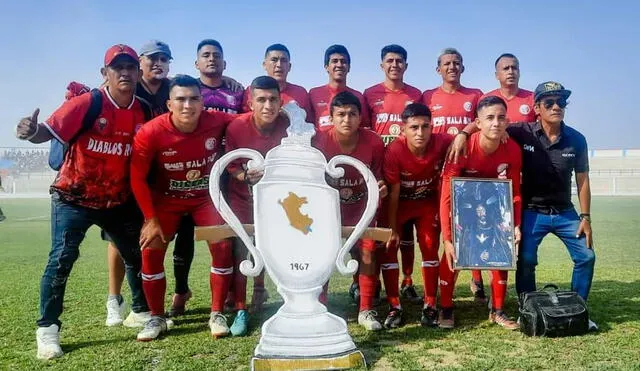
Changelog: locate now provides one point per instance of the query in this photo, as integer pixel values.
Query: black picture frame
(482, 222)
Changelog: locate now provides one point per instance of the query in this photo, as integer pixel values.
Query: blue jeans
(535, 226)
(69, 223)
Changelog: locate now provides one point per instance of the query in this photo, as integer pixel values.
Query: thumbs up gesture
(28, 126)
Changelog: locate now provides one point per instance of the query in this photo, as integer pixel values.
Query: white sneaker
(137, 319)
(152, 329)
(115, 312)
(593, 326)
(367, 319)
(48, 339)
(218, 325)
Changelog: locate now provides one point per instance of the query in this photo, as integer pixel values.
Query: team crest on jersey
(394, 129)
(346, 193)
(525, 109)
(502, 171)
(467, 106)
(379, 102)
(102, 123)
(193, 175)
(436, 107)
(452, 130)
(405, 173)
(210, 144)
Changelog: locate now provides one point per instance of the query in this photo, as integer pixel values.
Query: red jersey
(95, 172)
(321, 97)
(504, 163)
(291, 92)
(178, 164)
(451, 112)
(519, 107)
(386, 106)
(419, 177)
(352, 188)
(242, 133)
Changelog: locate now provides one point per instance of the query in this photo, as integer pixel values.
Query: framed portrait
(482, 223)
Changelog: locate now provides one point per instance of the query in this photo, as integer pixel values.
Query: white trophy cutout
(298, 241)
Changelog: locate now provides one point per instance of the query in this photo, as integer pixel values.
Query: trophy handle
(247, 267)
(369, 212)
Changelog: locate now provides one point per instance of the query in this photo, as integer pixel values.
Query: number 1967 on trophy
(299, 266)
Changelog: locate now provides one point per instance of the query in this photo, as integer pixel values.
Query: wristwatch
(464, 133)
(585, 216)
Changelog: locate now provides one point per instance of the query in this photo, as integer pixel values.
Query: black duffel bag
(551, 312)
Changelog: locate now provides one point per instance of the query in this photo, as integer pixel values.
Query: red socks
(154, 283)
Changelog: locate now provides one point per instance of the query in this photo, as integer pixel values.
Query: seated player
(486, 157)
(412, 167)
(346, 137)
(261, 129)
(172, 157)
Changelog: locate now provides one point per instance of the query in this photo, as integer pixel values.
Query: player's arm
(458, 148)
(29, 129)
(392, 176)
(450, 170)
(245, 100)
(237, 169)
(223, 117)
(377, 166)
(365, 116)
(584, 194)
(232, 84)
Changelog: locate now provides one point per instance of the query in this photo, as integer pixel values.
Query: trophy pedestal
(343, 361)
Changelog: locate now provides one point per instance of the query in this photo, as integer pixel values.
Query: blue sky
(590, 47)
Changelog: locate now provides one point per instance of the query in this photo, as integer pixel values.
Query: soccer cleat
(178, 304)
(593, 326)
(48, 340)
(218, 325)
(500, 318)
(429, 317)
(153, 328)
(477, 289)
(409, 292)
(115, 311)
(258, 298)
(446, 318)
(240, 323)
(354, 292)
(137, 319)
(367, 319)
(394, 318)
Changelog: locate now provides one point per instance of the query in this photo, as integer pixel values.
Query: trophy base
(343, 361)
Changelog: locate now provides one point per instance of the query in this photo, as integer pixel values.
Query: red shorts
(242, 209)
(170, 211)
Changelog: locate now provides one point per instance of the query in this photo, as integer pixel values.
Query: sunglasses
(548, 103)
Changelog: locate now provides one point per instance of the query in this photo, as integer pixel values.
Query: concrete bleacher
(615, 172)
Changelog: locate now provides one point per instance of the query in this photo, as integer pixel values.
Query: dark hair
(393, 48)
(345, 98)
(415, 109)
(506, 55)
(336, 49)
(446, 51)
(277, 47)
(211, 42)
(184, 81)
(266, 83)
(489, 101)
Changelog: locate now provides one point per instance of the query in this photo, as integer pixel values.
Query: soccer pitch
(474, 343)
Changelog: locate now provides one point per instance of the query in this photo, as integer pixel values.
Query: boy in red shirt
(172, 158)
(412, 167)
(346, 137)
(486, 157)
(261, 129)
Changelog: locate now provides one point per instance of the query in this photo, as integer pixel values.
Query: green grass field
(474, 344)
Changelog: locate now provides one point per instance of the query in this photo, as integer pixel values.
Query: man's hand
(253, 176)
(450, 254)
(457, 148)
(585, 227)
(505, 137)
(517, 237)
(28, 126)
(383, 189)
(232, 84)
(150, 231)
(393, 240)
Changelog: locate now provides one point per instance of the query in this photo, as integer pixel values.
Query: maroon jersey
(385, 108)
(352, 188)
(321, 97)
(504, 163)
(95, 172)
(177, 164)
(242, 133)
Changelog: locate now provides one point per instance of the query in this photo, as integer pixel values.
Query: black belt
(547, 210)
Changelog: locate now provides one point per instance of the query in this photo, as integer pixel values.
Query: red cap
(117, 50)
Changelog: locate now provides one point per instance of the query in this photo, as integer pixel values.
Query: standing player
(386, 102)
(346, 137)
(172, 158)
(486, 157)
(519, 101)
(453, 106)
(261, 129)
(92, 187)
(412, 167)
(337, 63)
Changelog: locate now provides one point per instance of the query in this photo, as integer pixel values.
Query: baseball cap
(550, 88)
(118, 50)
(155, 46)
